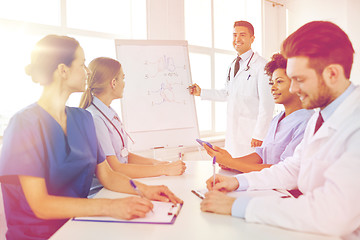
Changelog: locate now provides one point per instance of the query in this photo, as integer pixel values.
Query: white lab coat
(249, 106)
(325, 167)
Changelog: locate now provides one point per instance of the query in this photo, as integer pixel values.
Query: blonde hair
(103, 70)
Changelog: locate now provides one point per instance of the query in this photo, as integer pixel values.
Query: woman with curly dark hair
(286, 129)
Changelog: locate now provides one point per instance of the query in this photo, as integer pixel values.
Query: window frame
(33, 28)
(212, 51)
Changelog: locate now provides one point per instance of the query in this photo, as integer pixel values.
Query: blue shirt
(109, 139)
(35, 145)
(330, 109)
(283, 136)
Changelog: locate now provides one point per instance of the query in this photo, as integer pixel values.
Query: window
(209, 34)
(28, 11)
(203, 108)
(93, 23)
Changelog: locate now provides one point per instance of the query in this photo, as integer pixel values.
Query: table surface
(191, 222)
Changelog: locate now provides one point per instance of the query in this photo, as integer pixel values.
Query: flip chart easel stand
(168, 153)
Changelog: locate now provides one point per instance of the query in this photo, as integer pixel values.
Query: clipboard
(163, 213)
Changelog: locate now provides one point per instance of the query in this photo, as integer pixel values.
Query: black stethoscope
(246, 69)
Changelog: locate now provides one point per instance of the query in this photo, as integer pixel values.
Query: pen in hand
(214, 161)
(133, 185)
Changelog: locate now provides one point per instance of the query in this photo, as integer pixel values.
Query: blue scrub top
(34, 144)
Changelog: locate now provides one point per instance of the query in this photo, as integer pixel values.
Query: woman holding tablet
(286, 129)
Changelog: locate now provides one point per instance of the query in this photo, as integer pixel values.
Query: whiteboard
(157, 109)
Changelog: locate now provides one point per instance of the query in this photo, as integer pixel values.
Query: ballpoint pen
(133, 185)
(214, 161)
(197, 193)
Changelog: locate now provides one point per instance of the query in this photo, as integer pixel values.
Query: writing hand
(129, 208)
(160, 193)
(222, 183)
(217, 202)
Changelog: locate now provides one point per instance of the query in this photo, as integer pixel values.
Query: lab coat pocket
(247, 106)
(244, 128)
(317, 156)
(248, 77)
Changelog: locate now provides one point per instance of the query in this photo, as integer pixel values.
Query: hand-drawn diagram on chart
(164, 65)
(167, 87)
(156, 97)
(165, 94)
(157, 108)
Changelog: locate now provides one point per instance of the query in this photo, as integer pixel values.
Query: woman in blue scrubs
(50, 153)
(105, 85)
(286, 129)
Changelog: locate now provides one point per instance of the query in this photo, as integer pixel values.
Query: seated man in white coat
(326, 164)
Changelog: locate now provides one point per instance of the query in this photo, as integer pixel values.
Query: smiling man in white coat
(247, 92)
(326, 164)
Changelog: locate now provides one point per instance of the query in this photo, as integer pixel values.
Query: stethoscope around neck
(124, 152)
(246, 68)
(122, 139)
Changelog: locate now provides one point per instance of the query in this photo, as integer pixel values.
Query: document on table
(163, 212)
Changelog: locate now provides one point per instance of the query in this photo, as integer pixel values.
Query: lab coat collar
(108, 111)
(340, 115)
(245, 56)
(245, 63)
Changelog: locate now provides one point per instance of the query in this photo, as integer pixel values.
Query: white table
(191, 222)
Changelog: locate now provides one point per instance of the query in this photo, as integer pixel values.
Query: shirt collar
(246, 55)
(108, 111)
(330, 109)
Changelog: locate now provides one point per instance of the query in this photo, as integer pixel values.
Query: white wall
(343, 13)
(165, 19)
(353, 21)
(274, 31)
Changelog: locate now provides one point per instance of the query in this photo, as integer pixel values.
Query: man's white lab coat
(249, 105)
(326, 168)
